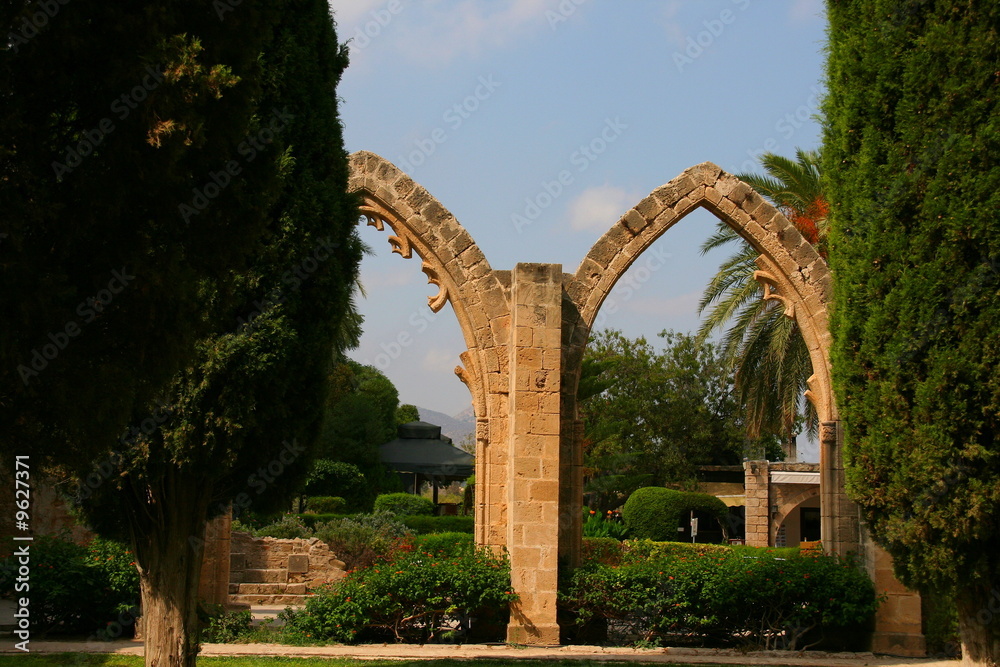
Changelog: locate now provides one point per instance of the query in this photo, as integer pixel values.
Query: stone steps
(261, 576)
(263, 586)
(283, 600)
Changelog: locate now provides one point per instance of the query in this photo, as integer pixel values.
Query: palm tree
(763, 347)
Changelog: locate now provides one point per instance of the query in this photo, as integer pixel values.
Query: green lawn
(88, 660)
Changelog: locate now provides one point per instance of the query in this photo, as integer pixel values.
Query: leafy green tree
(407, 413)
(113, 117)
(666, 413)
(360, 415)
(245, 413)
(764, 347)
(336, 478)
(912, 163)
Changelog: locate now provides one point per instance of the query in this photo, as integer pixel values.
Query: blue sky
(486, 102)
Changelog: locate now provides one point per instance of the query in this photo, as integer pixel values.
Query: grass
(91, 660)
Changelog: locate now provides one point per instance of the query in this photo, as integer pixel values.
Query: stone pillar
(214, 585)
(756, 485)
(839, 523)
(534, 452)
(898, 620)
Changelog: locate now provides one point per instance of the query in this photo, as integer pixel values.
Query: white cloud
(599, 207)
(672, 29)
(440, 360)
(438, 31)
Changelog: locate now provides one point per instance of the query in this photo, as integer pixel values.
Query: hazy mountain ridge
(456, 428)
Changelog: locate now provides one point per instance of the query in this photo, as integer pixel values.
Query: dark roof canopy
(421, 449)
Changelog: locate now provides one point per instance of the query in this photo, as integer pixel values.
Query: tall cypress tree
(223, 192)
(244, 415)
(112, 117)
(912, 157)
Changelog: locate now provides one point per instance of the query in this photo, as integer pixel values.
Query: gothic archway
(526, 331)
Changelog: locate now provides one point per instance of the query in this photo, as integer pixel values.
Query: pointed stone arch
(790, 270)
(478, 295)
(789, 267)
(526, 331)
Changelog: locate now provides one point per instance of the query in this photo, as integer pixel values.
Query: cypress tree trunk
(169, 546)
(979, 625)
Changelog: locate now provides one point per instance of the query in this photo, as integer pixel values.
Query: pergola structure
(421, 451)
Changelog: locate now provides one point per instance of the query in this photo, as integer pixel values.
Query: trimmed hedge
(426, 525)
(325, 504)
(655, 513)
(720, 596)
(404, 504)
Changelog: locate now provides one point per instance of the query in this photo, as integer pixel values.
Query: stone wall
(271, 571)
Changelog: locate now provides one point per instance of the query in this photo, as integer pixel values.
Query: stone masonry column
(533, 460)
(756, 483)
(839, 524)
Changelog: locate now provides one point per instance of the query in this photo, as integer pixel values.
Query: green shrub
(330, 478)
(219, 626)
(77, 588)
(364, 539)
(655, 513)
(603, 550)
(634, 551)
(313, 520)
(325, 504)
(427, 525)
(412, 598)
(444, 544)
(288, 527)
(404, 504)
(723, 597)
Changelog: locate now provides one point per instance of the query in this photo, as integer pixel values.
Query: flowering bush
(417, 596)
(75, 588)
(609, 524)
(723, 597)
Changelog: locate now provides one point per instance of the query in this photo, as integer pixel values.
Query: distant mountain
(456, 428)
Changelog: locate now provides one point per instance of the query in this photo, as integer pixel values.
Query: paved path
(495, 651)
(512, 653)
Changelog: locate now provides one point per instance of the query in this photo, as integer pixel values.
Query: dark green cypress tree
(912, 157)
(112, 117)
(245, 414)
